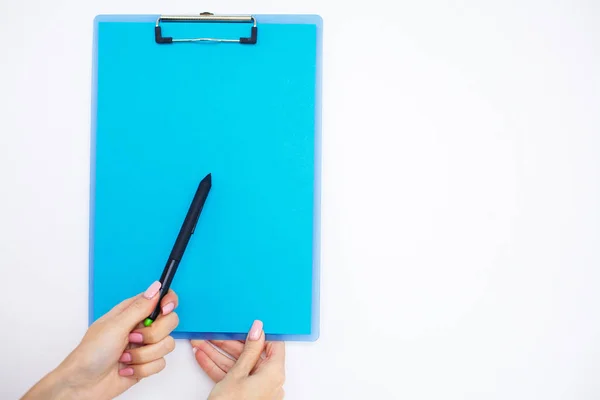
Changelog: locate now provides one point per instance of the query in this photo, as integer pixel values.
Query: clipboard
(236, 96)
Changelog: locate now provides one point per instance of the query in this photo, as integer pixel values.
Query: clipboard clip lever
(206, 17)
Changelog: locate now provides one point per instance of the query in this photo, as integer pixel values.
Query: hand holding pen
(116, 352)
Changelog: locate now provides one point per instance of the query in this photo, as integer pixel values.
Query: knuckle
(169, 344)
(162, 363)
(141, 371)
(147, 370)
(151, 336)
(175, 319)
(137, 357)
(137, 305)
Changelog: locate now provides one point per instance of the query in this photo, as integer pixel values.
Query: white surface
(460, 200)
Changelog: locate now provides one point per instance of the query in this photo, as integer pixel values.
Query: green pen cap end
(148, 322)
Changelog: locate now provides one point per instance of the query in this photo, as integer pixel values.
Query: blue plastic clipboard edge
(316, 306)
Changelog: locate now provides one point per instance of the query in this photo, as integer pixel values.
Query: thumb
(253, 348)
(140, 308)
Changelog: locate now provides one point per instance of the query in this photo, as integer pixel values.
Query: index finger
(167, 305)
(169, 302)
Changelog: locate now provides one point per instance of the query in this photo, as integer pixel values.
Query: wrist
(54, 386)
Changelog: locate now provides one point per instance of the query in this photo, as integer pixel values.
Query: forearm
(54, 386)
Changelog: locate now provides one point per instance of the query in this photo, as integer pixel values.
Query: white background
(461, 196)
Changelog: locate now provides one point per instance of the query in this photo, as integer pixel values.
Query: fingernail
(126, 357)
(255, 331)
(195, 349)
(168, 308)
(135, 338)
(152, 290)
(126, 371)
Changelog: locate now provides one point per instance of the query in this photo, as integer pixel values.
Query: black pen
(186, 231)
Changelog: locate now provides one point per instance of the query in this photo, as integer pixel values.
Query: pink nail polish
(152, 290)
(136, 338)
(195, 349)
(126, 371)
(126, 357)
(256, 330)
(168, 308)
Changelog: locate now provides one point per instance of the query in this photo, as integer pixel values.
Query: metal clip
(206, 17)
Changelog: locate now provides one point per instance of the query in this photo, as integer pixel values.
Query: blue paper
(164, 116)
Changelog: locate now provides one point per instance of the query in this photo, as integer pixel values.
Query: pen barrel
(168, 273)
(165, 279)
(182, 240)
(190, 221)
